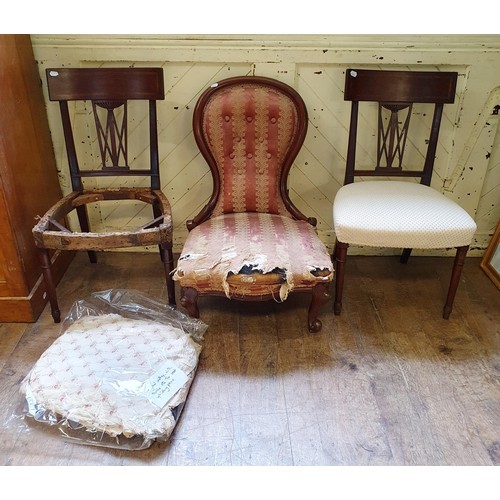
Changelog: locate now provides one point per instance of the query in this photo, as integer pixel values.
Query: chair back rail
(109, 90)
(100, 84)
(396, 92)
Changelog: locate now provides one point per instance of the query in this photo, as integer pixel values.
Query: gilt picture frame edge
(491, 255)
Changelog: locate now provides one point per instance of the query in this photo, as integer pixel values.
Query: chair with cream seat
(397, 213)
(250, 242)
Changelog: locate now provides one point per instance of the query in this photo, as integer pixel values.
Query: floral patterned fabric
(96, 375)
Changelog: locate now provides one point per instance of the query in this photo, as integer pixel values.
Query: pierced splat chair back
(109, 90)
(396, 95)
(398, 214)
(249, 130)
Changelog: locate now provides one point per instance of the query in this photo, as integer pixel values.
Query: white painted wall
(468, 158)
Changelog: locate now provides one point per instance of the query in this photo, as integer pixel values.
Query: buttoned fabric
(249, 130)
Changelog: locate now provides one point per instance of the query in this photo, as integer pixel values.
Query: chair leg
(189, 300)
(320, 297)
(405, 255)
(340, 258)
(83, 218)
(455, 279)
(49, 282)
(167, 257)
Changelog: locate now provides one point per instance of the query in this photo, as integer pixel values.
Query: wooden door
(29, 184)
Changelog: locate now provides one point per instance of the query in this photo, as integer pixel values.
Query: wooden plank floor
(387, 383)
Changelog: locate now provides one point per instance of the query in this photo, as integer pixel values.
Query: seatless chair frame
(396, 91)
(320, 294)
(108, 89)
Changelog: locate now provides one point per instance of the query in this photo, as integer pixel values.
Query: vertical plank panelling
(318, 170)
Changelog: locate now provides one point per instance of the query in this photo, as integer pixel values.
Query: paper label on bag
(162, 386)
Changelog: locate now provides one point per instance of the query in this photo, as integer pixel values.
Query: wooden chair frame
(108, 89)
(320, 293)
(395, 91)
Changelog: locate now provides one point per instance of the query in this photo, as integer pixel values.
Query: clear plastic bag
(119, 374)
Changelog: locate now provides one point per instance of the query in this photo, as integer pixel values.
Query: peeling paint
(464, 130)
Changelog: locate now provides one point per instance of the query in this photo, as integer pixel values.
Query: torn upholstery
(254, 254)
(250, 242)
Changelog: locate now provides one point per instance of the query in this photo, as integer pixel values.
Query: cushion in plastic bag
(115, 375)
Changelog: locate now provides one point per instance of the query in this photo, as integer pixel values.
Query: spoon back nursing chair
(398, 213)
(250, 242)
(106, 93)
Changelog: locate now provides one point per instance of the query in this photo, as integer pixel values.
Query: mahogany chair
(107, 93)
(398, 213)
(250, 242)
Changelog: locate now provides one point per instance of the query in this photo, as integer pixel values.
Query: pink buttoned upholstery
(250, 242)
(249, 129)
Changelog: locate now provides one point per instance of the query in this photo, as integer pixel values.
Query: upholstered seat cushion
(100, 374)
(235, 253)
(399, 214)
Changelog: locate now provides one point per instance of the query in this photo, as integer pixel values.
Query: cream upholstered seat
(398, 213)
(250, 242)
(421, 217)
